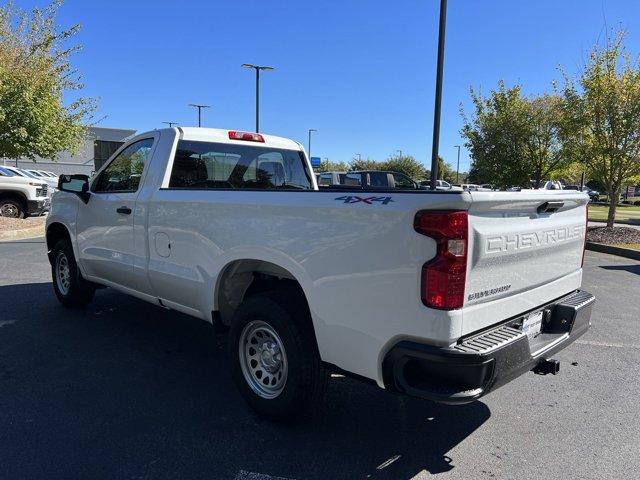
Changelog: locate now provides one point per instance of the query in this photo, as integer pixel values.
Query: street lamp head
(312, 130)
(257, 67)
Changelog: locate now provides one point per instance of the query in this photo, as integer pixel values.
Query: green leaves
(513, 139)
(602, 118)
(35, 75)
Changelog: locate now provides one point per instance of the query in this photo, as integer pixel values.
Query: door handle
(125, 210)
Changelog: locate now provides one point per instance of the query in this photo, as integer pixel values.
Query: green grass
(630, 214)
(632, 246)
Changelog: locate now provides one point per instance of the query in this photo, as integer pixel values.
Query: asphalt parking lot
(129, 390)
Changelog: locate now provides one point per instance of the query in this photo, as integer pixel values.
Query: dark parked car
(594, 196)
(366, 179)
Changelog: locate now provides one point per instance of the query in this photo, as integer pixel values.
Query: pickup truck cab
(443, 295)
(22, 196)
(366, 179)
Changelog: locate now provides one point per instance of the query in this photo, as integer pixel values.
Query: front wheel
(12, 209)
(274, 356)
(71, 289)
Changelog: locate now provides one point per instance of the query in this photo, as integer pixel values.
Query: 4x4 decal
(367, 200)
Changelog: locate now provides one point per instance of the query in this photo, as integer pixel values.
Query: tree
(406, 164)
(445, 171)
(602, 118)
(35, 74)
(514, 139)
(327, 166)
(495, 137)
(543, 146)
(365, 164)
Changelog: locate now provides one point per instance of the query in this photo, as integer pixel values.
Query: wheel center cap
(269, 357)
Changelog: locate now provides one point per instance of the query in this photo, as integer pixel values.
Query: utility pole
(458, 167)
(257, 68)
(309, 149)
(171, 124)
(359, 157)
(399, 152)
(438, 100)
(199, 107)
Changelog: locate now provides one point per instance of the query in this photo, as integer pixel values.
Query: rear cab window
(212, 165)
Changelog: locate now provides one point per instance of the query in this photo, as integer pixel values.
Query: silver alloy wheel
(9, 210)
(63, 275)
(263, 359)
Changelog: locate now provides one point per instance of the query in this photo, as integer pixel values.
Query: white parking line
(244, 475)
(604, 344)
(6, 322)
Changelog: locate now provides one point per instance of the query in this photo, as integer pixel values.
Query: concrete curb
(31, 232)
(612, 250)
(619, 222)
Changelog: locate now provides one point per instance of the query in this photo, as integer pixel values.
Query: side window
(378, 179)
(402, 181)
(124, 172)
(214, 165)
(351, 179)
(324, 179)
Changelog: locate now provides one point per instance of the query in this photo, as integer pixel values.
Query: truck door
(104, 225)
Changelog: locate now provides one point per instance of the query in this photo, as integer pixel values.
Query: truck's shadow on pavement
(128, 390)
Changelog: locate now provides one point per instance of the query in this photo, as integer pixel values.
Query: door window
(124, 172)
(324, 179)
(351, 179)
(402, 181)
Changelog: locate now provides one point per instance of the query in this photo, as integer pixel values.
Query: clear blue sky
(361, 72)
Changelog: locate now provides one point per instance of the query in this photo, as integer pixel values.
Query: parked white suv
(22, 196)
(443, 295)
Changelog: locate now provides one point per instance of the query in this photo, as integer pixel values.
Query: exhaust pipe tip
(547, 366)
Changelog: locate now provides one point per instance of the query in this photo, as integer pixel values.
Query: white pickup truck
(22, 196)
(443, 295)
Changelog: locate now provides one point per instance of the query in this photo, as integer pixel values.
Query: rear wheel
(274, 356)
(71, 289)
(12, 208)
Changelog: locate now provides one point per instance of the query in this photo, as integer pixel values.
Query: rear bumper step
(484, 362)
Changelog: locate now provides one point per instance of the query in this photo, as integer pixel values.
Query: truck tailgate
(520, 241)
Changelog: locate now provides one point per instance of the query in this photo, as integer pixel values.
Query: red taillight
(444, 276)
(248, 136)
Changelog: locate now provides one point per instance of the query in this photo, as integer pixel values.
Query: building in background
(97, 147)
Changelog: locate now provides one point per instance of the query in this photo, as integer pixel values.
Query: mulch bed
(613, 236)
(20, 223)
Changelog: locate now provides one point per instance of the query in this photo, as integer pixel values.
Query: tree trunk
(613, 204)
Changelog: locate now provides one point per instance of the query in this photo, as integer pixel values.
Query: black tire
(71, 289)
(305, 379)
(12, 208)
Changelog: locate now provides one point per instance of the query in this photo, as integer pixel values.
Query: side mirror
(78, 184)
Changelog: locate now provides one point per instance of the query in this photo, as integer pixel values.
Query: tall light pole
(309, 149)
(257, 68)
(171, 124)
(438, 100)
(359, 157)
(399, 152)
(458, 167)
(199, 107)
